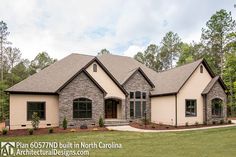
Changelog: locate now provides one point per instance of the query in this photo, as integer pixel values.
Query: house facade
(83, 88)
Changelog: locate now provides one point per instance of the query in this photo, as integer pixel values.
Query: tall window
(95, 67)
(38, 107)
(137, 104)
(201, 69)
(82, 108)
(216, 107)
(190, 108)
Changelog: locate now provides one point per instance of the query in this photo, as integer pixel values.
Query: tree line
(14, 68)
(217, 45)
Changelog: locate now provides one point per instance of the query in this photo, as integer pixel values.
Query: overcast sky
(124, 27)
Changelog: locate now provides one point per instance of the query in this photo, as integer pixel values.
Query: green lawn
(209, 143)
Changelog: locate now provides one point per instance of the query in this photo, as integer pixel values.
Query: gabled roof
(50, 79)
(212, 83)
(88, 75)
(118, 68)
(133, 72)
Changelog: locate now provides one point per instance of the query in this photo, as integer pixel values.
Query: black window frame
(132, 109)
(139, 102)
(131, 95)
(95, 67)
(195, 108)
(29, 116)
(213, 110)
(89, 107)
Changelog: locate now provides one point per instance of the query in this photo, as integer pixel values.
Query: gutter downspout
(176, 120)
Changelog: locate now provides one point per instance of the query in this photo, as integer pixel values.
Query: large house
(84, 88)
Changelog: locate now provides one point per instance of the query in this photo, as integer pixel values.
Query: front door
(110, 108)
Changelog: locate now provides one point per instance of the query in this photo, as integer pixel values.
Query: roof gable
(143, 74)
(88, 75)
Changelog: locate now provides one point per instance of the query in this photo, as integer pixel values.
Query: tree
(230, 77)
(217, 36)
(3, 40)
(170, 49)
(150, 57)
(104, 51)
(190, 52)
(13, 56)
(20, 71)
(41, 61)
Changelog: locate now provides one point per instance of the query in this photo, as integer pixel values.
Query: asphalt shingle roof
(50, 79)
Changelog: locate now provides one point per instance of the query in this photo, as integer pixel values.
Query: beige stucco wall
(18, 110)
(105, 82)
(192, 90)
(163, 110)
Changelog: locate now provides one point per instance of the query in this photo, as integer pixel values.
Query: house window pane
(94, 67)
(216, 107)
(82, 108)
(131, 109)
(191, 108)
(38, 107)
(144, 95)
(131, 95)
(201, 69)
(137, 109)
(138, 95)
(144, 108)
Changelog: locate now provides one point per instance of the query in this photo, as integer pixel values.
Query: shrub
(205, 123)
(83, 126)
(229, 121)
(4, 131)
(50, 130)
(214, 122)
(196, 123)
(101, 122)
(64, 125)
(31, 131)
(222, 121)
(35, 120)
(186, 124)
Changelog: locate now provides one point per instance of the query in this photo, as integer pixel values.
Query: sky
(124, 27)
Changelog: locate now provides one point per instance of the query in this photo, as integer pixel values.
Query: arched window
(95, 68)
(216, 107)
(82, 108)
(201, 69)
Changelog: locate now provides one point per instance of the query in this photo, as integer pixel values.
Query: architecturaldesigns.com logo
(7, 148)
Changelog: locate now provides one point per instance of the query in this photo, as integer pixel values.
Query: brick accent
(216, 92)
(80, 86)
(138, 83)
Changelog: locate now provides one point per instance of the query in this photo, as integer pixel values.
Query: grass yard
(207, 143)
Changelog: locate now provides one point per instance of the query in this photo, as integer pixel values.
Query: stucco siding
(163, 110)
(192, 90)
(105, 82)
(18, 110)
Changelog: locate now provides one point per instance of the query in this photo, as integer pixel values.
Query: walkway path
(129, 128)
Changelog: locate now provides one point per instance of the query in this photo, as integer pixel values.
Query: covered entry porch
(113, 108)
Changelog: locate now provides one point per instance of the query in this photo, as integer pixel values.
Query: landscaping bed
(154, 126)
(40, 131)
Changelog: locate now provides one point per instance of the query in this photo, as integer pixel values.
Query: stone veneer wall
(80, 86)
(138, 83)
(216, 92)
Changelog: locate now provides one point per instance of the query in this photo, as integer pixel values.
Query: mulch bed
(153, 126)
(43, 131)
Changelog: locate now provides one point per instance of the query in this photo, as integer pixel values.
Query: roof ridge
(180, 66)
